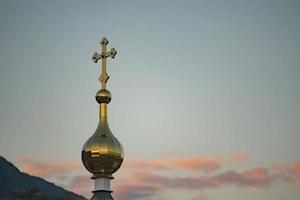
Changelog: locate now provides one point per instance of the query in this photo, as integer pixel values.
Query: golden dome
(102, 154)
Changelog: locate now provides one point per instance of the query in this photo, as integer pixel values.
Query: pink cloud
(45, 169)
(238, 157)
(145, 164)
(256, 177)
(198, 163)
(292, 168)
(289, 172)
(194, 163)
(141, 180)
(145, 184)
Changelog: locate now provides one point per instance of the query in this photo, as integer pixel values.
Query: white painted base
(102, 184)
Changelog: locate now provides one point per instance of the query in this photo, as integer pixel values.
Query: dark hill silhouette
(15, 185)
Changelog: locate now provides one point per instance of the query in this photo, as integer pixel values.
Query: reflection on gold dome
(102, 154)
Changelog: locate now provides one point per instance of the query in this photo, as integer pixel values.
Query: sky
(205, 95)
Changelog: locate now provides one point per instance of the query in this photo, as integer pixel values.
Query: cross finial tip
(104, 41)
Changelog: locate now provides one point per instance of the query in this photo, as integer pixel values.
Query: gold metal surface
(103, 96)
(103, 110)
(102, 154)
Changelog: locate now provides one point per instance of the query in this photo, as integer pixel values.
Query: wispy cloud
(139, 184)
(145, 164)
(136, 191)
(145, 179)
(289, 172)
(198, 163)
(43, 168)
(238, 157)
(256, 177)
(291, 168)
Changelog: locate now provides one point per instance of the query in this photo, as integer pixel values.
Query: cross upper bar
(112, 53)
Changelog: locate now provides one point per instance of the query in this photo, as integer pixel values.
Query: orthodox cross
(112, 53)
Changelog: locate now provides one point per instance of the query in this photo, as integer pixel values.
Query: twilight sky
(205, 94)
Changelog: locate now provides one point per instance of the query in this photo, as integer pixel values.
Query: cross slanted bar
(112, 53)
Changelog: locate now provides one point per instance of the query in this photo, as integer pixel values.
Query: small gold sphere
(103, 96)
(102, 154)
